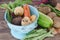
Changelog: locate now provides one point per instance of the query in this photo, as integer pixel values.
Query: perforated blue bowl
(20, 32)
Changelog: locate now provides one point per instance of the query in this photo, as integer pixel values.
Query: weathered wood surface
(5, 31)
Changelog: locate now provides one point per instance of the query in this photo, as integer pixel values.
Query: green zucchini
(44, 20)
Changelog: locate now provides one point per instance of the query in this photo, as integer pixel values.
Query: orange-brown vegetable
(26, 11)
(33, 17)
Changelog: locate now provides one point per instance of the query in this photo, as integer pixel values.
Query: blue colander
(20, 32)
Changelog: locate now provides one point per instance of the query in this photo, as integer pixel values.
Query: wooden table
(5, 31)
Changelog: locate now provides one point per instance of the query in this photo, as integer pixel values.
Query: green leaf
(9, 17)
(11, 5)
(6, 7)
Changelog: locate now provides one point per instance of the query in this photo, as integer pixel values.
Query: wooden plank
(6, 36)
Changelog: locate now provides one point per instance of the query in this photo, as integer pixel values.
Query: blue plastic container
(20, 32)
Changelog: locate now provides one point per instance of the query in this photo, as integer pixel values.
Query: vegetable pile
(54, 14)
(24, 15)
(18, 13)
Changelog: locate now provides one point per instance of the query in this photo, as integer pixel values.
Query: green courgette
(44, 20)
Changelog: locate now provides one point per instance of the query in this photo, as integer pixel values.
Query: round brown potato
(33, 18)
(54, 31)
(52, 15)
(17, 21)
(19, 11)
(56, 22)
(53, 2)
(25, 21)
(45, 9)
(58, 6)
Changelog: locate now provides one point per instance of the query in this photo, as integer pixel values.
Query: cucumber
(44, 20)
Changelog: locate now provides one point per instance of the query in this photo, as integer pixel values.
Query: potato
(54, 31)
(33, 18)
(25, 21)
(56, 22)
(52, 15)
(19, 11)
(17, 21)
(45, 9)
(58, 6)
(53, 2)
